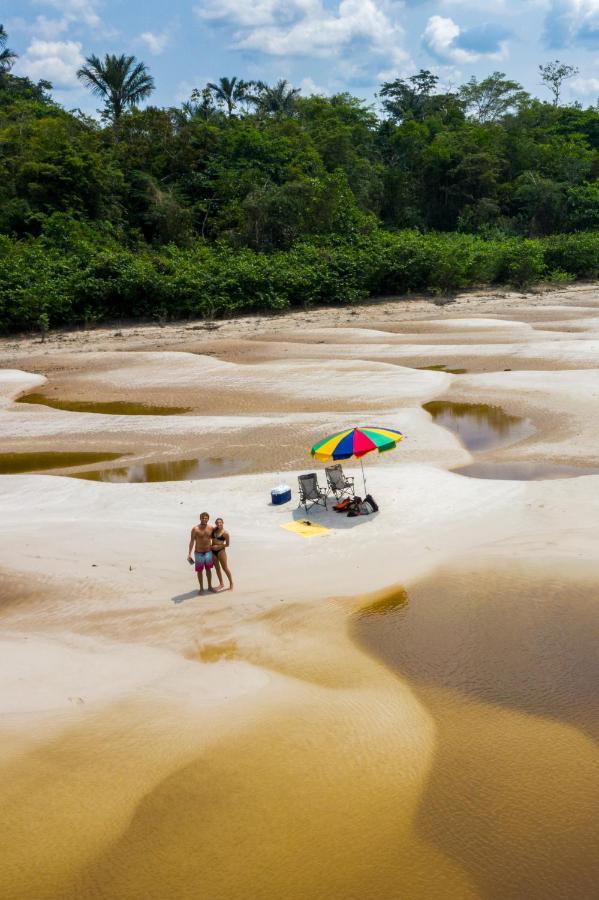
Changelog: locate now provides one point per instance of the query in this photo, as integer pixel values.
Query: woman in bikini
(220, 542)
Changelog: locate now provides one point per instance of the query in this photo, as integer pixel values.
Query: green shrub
(576, 253)
(72, 275)
(523, 262)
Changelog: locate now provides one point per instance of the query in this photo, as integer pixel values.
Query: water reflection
(13, 463)
(523, 471)
(110, 408)
(479, 425)
(168, 470)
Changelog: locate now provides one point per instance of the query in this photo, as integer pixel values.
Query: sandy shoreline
(122, 686)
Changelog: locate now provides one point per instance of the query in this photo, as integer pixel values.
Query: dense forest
(251, 196)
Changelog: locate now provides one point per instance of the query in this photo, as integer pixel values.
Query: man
(201, 542)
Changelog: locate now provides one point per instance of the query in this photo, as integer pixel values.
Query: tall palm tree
(229, 92)
(278, 100)
(120, 81)
(7, 57)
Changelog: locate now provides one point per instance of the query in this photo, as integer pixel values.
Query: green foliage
(72, 275)
(490, 99)
(119, 81)
(250, 196)
(560, 277)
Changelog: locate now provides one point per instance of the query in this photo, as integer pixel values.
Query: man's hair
(204, 514)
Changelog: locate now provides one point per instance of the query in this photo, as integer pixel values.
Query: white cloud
(49, 28)
(156, 43)
(80, 11)
(308, 27)
(584, 87)
(308, 87)
(442, 38)
(55, 61)
(254, 13)
(568, 21)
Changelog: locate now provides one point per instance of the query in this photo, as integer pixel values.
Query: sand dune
(307, 735)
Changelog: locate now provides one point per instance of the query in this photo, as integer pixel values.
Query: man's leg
(201, 582)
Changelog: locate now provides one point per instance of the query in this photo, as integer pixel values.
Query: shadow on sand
(188, 595)
(328, 518)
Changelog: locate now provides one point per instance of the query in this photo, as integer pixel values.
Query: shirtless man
(201, 543)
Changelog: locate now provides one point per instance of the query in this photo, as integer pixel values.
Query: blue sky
(322, 46)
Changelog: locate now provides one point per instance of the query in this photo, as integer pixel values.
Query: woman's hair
(219, 519)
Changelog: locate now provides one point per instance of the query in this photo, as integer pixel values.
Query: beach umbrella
(356, 442)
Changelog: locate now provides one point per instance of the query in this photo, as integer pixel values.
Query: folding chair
(340, 484)
(310, 491)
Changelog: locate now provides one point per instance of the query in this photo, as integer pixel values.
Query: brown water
(523, 471)
(506, 662)
(13, 463)
(110, 408)
(451, 755)
(168, 470)
(442, 368)
(479, 425)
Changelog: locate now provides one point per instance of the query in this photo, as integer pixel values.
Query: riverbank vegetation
(251, 196)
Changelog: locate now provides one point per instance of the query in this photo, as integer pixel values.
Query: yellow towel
(305, 529)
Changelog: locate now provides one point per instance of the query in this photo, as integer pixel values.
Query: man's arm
(192, 541)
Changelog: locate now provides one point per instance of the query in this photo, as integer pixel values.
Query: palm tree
(229, 91)
(7, 57)
(121, 81)
(279, 100)
(199, 106)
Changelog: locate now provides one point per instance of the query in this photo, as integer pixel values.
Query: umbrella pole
(363, 475)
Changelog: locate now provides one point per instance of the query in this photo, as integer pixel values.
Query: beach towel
(305, 528)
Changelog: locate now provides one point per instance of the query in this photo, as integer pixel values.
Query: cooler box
(280, 494)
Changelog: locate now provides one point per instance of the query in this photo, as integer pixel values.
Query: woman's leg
(224, 563)
(218, 568)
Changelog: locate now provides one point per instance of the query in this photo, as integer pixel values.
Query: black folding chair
(310, 492)
(340, 484)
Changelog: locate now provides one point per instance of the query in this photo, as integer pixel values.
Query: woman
(220, 542)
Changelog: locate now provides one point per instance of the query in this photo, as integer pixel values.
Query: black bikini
(217, 538)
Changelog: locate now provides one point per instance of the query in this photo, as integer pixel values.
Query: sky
(321, 46)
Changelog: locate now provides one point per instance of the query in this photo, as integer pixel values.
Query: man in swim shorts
(201, 543)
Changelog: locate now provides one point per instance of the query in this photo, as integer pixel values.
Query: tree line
(244, 174)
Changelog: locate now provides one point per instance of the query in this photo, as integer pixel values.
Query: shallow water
(442, 368)
(507, 664)
(168, 470)
(451, 755)
(110, 408)
(13, 463)
(479, 425)
(523, 471)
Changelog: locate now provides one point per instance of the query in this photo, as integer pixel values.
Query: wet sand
(403, 707)
(506, 664)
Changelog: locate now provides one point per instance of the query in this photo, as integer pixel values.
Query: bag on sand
(343, 505)
(353, 507)
(370, 499)
(362, 507)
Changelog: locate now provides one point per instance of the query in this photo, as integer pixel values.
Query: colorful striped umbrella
(356, 442)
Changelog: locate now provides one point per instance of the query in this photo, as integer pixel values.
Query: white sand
(56, 528)
(98, 599)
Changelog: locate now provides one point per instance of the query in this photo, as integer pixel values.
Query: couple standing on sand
(210, 543)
